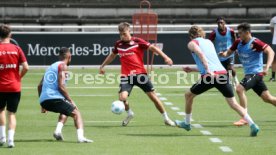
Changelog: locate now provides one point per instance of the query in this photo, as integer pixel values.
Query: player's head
(5, 32)
(221, 23)
(244, 31)
(196, 31)
(124, 30)
(65, 55)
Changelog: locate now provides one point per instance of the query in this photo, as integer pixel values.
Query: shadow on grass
(42, 141)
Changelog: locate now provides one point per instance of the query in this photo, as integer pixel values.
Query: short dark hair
(220, 18)
(5, 31)
(123, 26)
(63, 51)
(245, 27)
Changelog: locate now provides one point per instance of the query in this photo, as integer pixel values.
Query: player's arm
(189, 69)
(195, 48)
(270, 57)
(107, 61)
(61, 87)
(156, 50)
(226, 53)
(24, 69)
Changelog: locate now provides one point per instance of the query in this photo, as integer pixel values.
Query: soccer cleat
(169, 122)
(182, 124)
(85, 140)
(241, 122)
(254, 130)
(11, 144)
(127, 119)
(272, 80)
(58, 136)
(2, 141)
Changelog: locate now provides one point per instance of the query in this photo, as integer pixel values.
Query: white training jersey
(273, 25)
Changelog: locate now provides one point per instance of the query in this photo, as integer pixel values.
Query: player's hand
(265, 72)
(187, 69)
(222, 54)
(74, 104)
(43, 110)
(168, 61)
(101, 70)
(210, 73)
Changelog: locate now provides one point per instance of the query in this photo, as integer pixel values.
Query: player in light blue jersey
(223, 37)
(250, 51)
(54, 97)
(213, 75)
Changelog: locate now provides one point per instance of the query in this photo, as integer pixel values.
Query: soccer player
(11, 57)
(223, 37)
(213, 75)
(54, 96)
(250, 51)
(131, 52)
(273, 31)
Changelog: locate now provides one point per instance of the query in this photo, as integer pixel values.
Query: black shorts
(61, 106)
(227, 63)
(254, 81)
(140, 80)
(221, 82)
(11, 100)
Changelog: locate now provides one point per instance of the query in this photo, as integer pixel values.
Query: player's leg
(3, 102)
(58, 132)
(143, 82)
(198, 88)
(12, 105)
(232, 72)
(268, 98)
(124, 92)
(160, 107)
(273, 67)
(247, 83)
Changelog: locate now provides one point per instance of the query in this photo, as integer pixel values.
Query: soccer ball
(117, 107)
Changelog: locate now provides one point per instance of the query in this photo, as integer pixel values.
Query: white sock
(11, 135)
(165, 116)
(80, 134)
(188, 118)
(248, 119)
(129, 112)
(2, 131)
(59, 127)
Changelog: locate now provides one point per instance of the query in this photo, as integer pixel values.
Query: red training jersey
(11, 56)
(131, 55)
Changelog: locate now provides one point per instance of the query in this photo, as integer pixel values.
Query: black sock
(273, 75)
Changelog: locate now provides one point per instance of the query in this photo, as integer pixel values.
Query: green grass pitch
(146, 134)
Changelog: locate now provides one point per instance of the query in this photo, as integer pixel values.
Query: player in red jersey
(11, 57)
(131, 53)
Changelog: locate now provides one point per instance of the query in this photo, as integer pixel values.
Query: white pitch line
(163, 98)
(225, 149)
(197, 126)
(168, 103)
(215, 140)
(181, 113)
(175, 108)
(158, 94)
(205, 132)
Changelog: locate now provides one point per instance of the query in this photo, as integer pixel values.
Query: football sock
(80, 134)
(273, 75)
(59, 127)
(188, 118)
(11, 135)
(249, 119)
(165, 116)
(129, 112)
(2, 131)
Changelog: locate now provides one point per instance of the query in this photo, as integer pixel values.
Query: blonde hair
(196, 31)
(123, 26)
